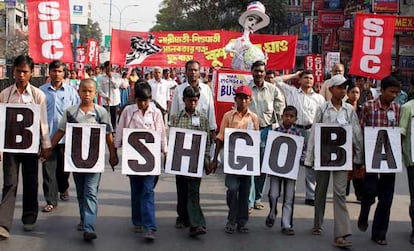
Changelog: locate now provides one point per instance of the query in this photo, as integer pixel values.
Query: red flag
(92, 56)
(314, 63)
(80, 62)
(49, 31)
(373, 37)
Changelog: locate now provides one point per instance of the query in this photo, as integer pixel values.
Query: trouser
(55, 179)
(11, 163)
(381, 185)
(410, 174)
(113, 111)
(310, 181)
(87, 186)
(342, 225)
(238, 187)
(276, 184)
(257, 185)
(142, 201)
(188, 201)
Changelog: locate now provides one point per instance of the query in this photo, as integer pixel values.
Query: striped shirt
(375, 114)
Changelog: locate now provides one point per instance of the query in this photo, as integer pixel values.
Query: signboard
(388, 6)
(78, 12)
(404, 24)
(313, 62)
(331, 18)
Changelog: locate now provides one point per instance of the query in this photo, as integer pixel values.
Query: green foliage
(91, 30)
(214, 14)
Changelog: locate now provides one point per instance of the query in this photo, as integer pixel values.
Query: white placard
(186, 150)
(141, 152)
(282, 155)
(333, 147)
(85, 148)
(241, 152)
(19, 128)
(382, 149)
(227, 84)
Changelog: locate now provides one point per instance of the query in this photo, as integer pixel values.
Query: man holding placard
(238, 186)
(267, 103)
(381, 112)
(188, 188)
(22, 92)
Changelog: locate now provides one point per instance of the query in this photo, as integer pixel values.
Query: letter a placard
(333, 147)
(282, 155)
(85, 148)
(20, 128)
(141, 152)
(241, 152)
(382, 149)
(186, 149)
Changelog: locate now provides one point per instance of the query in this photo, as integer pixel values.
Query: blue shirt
(58, 100)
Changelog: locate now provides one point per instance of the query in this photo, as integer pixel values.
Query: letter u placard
(85, 148)
(241, 152)
(20, 128)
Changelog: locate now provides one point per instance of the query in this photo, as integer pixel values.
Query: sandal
(250, 210)
(316, 231)
(269, 222)
(259, 206)
(288, 231)
(341, 242)
(243, 229)
(230, 228)
(48, 208)
(380, 242)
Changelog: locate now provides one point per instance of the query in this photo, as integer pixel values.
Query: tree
(214, 14)
(91, 30)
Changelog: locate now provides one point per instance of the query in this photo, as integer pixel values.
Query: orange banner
(177, 47)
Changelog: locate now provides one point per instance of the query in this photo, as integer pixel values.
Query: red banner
(385, 6)
(80, 62)
(331, 18)
(92, 54)
(372, 52)
(314, 63)
(49, 26)
(174, 48)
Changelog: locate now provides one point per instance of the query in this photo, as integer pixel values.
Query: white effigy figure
(244, 52)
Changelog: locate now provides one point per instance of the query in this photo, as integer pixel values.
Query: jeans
(188, 201)
(238, 187)
(87, 185)
(11, 163)
(55, 179)
(142, 201)
(257, 186)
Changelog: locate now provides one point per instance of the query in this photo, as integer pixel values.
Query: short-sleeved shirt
(74, 114)
(407, 113)
(234, 119)
(375, 114)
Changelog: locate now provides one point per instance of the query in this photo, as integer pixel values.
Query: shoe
(88, 236)
(250, 210)
(259, 206)
(269, 222)
(137, 229)
(48, 208)
(288, 231)
(195, 231)
(411, 237)
(4, 234)
(79, 227)
(243, 229)
(28, 227)
(180, 224)
(149, 235)
(316, 231)
(230, 228)
(382, 242)
(341, 242)
(64, 196)
(310, 202)
(362, 224)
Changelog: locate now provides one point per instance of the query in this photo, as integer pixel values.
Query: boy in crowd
(238, 186)
(87, 184)
(188, 188)
(142, 116)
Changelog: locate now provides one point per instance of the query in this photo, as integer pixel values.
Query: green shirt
(406, 115)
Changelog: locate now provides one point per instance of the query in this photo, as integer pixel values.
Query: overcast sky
(140, 18)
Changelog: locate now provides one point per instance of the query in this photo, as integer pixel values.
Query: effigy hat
(255, 8)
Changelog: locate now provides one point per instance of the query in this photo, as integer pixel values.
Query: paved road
(57, 230)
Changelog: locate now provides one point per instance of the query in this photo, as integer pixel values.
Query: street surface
(57, 230)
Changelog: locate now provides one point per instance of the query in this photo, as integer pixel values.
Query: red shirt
(375, 114)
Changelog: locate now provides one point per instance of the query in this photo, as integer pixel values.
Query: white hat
(258, 9)
(338, 80)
